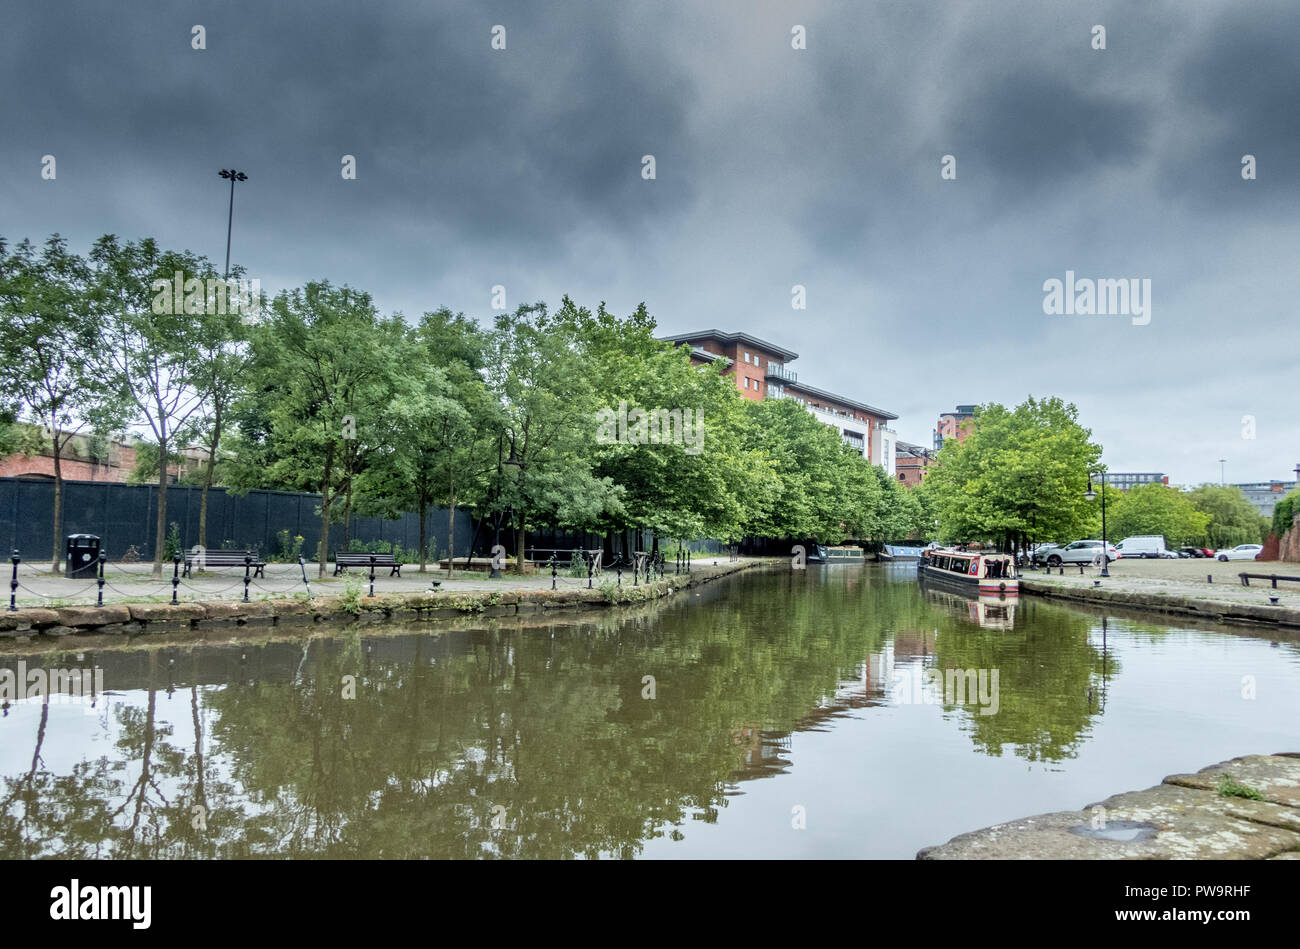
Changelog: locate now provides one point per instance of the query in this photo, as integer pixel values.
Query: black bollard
(552, 571)
(100, 579)
(13, 584)
(1209, 578)
(619, 569)
(636, 570)
(248, 564)
(372, 577)
(590, 563)
(176, 576)
(303, 567)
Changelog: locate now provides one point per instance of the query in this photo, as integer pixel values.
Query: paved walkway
(133, 583)
(1183, 578)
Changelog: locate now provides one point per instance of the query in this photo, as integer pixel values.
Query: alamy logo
(103, 902)
(179, 296)
(1125, 296)
(651, 427)
(57, 686)
(915, 686)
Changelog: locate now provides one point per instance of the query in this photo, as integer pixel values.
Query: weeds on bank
(1230, 788)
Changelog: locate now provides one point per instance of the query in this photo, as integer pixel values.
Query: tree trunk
(160, 535)
(424, 508)
(58, 503)
(451, 520)
(325, 499)
(207, 476)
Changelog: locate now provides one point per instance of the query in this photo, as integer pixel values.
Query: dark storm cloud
(775, 167)
(511, 146)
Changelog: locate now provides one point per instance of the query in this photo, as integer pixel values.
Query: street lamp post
(1222, 479)
(1091, 495)
(230, 218)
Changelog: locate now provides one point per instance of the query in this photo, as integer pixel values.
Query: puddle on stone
(1122, 830)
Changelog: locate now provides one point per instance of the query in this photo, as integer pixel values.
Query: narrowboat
(832, 555)
(892, 553)
(984, 574)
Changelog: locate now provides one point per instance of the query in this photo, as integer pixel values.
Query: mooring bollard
(248, 564)
(13, 584)
(303, 567)
(591, 561)
(372, 577)
(618, 568)
(552, 571)
(176, 576)
(1209, 578)
(103, 557)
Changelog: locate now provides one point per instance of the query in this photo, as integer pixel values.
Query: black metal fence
(125, 516)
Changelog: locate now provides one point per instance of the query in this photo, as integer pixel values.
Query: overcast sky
(774, 167)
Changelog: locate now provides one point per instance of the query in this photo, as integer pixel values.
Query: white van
(1144, 546)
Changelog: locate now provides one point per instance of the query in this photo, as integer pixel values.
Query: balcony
(782, 373)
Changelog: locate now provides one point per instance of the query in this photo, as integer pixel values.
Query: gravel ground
(1186, 578)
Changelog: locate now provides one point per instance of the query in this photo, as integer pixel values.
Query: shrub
(172, 545)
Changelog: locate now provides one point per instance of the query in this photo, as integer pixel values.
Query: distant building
(913, 463)
(1265, 494)
(1124, 480)
(84, 460)
(761, 371)
(956, 424)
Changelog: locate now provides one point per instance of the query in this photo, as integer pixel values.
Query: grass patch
(1230, 788)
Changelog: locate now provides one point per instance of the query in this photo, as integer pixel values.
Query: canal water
(830, 712)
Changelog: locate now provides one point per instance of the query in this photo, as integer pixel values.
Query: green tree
(536, 371)
(1021, 474)
(1158, 509)
(45, 364)
(322, 374)
(152, 346)
(1233, 519)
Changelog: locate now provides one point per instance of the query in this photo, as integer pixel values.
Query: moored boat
(891, 553)
(985, 574)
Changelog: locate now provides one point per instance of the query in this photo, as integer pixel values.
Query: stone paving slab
(1175, 820)
(133, 583)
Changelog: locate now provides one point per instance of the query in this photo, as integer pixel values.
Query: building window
(746, 357)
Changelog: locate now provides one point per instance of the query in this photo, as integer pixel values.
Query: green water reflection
(530, 737)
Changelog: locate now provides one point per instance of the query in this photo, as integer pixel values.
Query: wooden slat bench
(343, 561)
(226, 558)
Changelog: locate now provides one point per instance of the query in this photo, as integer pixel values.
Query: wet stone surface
(1186, 817)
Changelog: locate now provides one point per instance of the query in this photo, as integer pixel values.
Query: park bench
(226, 558)
(343, 561)
(1246, 578)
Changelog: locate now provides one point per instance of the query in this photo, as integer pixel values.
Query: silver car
(1240, 552)
(1081, 551)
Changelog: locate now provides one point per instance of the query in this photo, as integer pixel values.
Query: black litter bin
(83, 556)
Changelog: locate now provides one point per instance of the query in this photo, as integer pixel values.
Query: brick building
(761, 371)
(913, 463)
(956, 424)
(79, 462)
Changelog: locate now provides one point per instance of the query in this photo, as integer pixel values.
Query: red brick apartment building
(761, 372)
(954, 425)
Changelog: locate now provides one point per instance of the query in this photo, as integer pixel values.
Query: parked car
(1240, 552)
(1197, 551)
(1144, 546)
(1081, 551)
